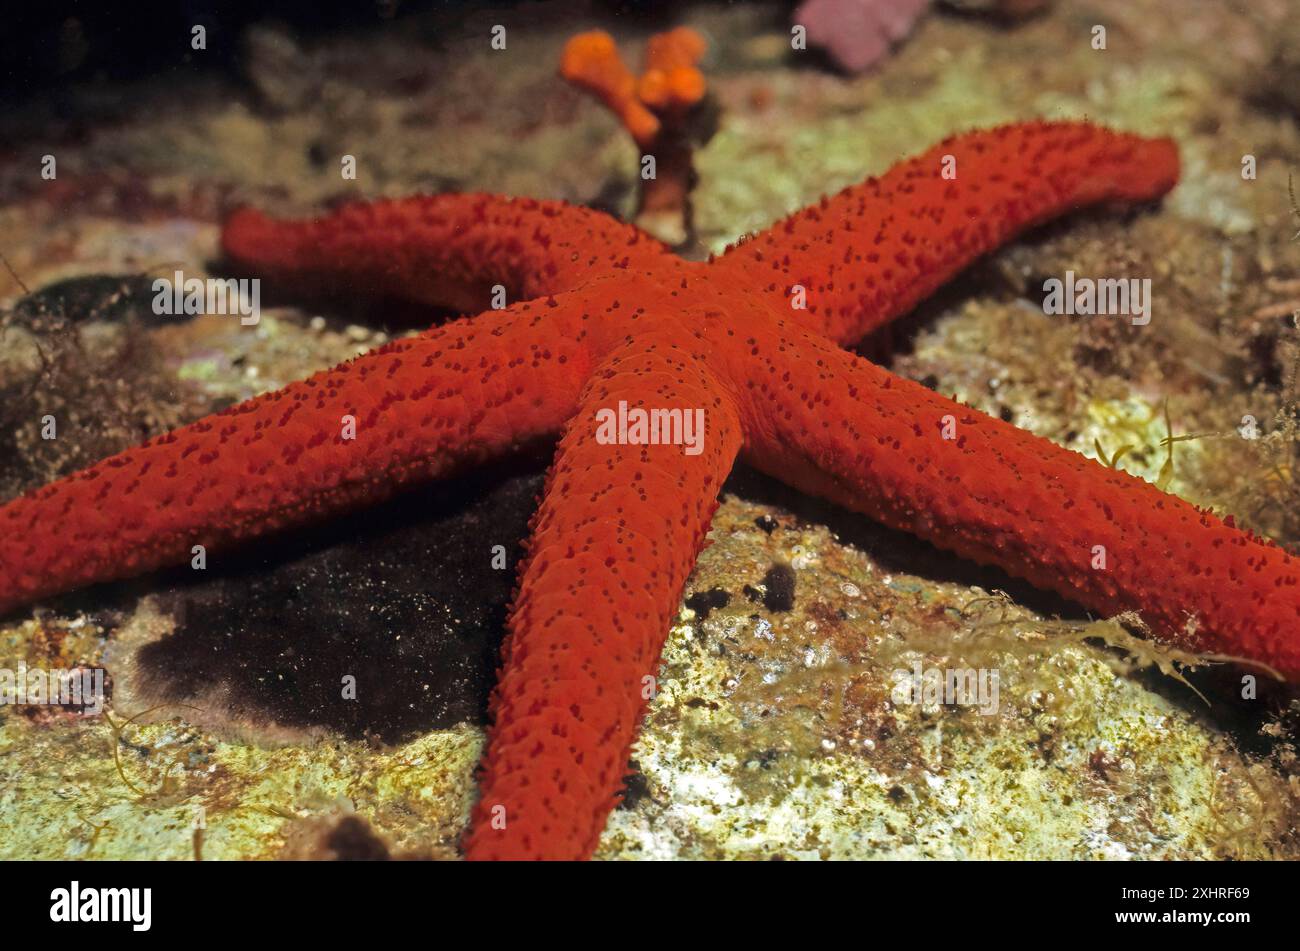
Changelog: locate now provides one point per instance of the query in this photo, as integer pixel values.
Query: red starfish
(611, 317)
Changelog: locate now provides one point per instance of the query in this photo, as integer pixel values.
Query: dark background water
(49, 47)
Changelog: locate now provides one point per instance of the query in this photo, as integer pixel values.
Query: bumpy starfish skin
(615, 318)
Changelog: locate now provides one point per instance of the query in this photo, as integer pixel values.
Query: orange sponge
(677, 49)
(670, 85)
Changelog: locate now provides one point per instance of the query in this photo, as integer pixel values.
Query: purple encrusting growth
(857, 34)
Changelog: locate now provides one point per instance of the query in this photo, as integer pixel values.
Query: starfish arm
(873, 251)
(443, 250)
(614, 540)
(998, 495)
(415, 409)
